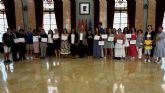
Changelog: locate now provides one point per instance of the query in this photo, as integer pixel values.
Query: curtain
(10, 13)
(58, 9)
(110, 13)
(38, 13)
(73, 14)
(96, 12)
(131, 13)
(160, 8)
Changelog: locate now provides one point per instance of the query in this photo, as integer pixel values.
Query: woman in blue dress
(96, 47)
(160, 45)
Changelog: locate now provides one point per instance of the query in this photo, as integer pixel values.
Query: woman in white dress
(119, 45)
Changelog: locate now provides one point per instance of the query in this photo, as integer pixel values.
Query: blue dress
(160, 45)
(96, 49)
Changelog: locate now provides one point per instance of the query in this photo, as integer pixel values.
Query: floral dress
(65, 46)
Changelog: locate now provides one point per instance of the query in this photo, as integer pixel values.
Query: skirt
(159, 50)
(65, 47)
(119, 50)
(36, 47)
(109, 44)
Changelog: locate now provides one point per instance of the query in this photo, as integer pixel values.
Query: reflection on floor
(81, 76)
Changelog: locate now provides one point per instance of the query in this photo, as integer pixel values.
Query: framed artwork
(84, 8)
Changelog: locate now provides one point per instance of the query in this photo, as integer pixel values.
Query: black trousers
(89, 50)
(81, 48)
(73, 49)
(50, 50)
(14, 50)
(22, 51)
(152, 50)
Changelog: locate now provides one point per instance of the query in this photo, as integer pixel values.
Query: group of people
(101, 43)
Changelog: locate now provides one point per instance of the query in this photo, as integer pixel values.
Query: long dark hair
(65, 30)
(133, 30)
(97, 31)
(107, 31)
(72, 31)
(139, 30)
(125, 30)
(50, 32)
(21, 31)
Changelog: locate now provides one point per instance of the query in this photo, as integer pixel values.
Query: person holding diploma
(73, 40)
(104, 38)
(89, 38)
(56, 43)
(119, 45)
(43, 43)
(50, 43)
(109, 43)
(65, 46)
(96, 47)
(132, 48)
(36, 43)
(29, 44)
(22, 45)
(82, 43)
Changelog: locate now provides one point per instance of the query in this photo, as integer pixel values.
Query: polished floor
(81, 76)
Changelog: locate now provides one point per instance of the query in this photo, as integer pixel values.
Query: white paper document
(44, 40)
(120, 41)
(132, 41)
(101, 43)
(110, 38)
(104, 36)
(55, 36)
(128, 36)
(22, 40)
(64, 37)
(35, 39)
(97, 37)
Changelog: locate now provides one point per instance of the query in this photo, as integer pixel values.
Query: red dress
(132, 48)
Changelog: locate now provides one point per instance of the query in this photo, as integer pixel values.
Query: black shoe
(15, 60)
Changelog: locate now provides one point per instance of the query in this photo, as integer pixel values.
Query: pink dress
(36, 47)
(132, 48)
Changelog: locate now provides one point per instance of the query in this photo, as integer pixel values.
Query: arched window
(163, 23)
(3, 20)
(120, 16)
(49, 20)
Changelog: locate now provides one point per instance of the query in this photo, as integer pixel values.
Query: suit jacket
(84, 38)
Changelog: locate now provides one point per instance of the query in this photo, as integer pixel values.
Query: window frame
(120, 10)
(50, 12)
(163, 23)
(3, 20)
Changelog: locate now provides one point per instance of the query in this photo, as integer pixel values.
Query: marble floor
(81, 76)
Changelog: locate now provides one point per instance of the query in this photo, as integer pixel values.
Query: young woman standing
(73, 40)
(56, 43)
